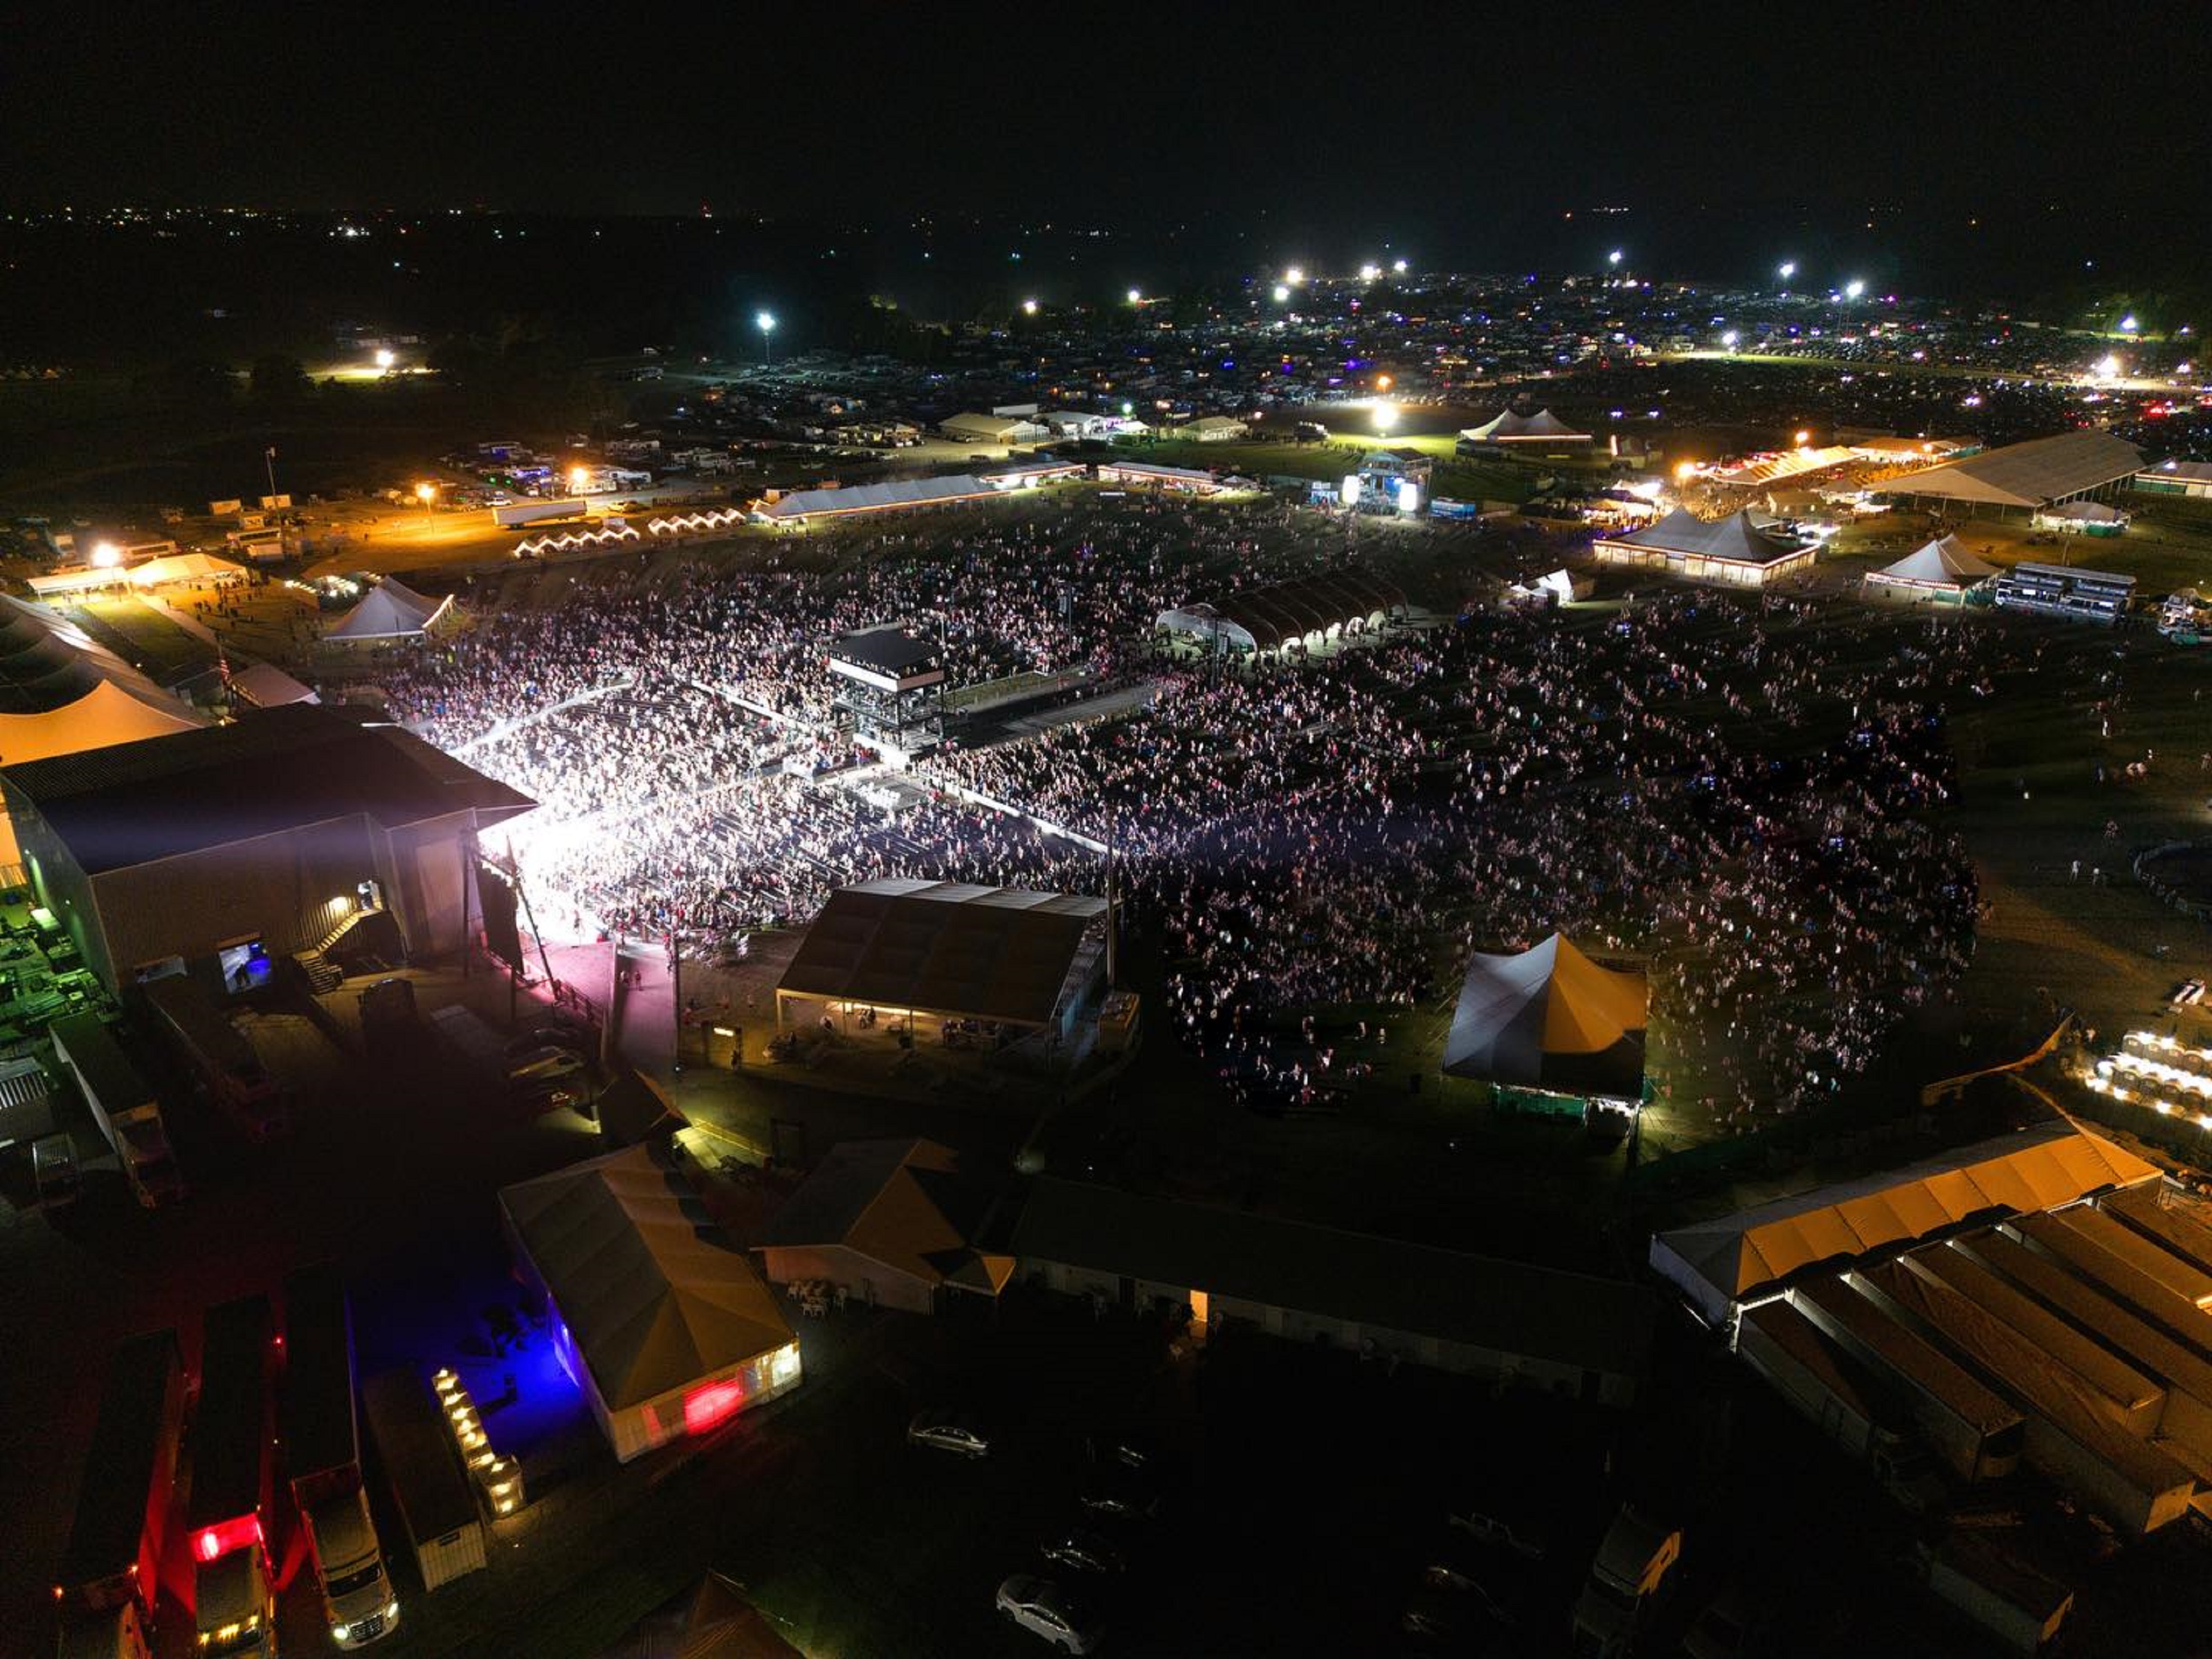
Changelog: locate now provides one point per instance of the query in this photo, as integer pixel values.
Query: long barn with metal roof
(1309, 610)
(2022, 479)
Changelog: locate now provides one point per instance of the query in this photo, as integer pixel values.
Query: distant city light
(1802, 439)
(1282, 293)
(764, 321)
(426, 493)
(1295, 275)
(1853, 288)
(105, 556)
(1398, 265)
(1136, 297)
(579, 476)
(1386, 415)
(1382, 382)
(1128, 408)
(1613, 257)
(1786, 269)
(1368, 273)
(2109, 367)
(386, 359)
(1730, 339)
(2128, 324)
(1029, 307)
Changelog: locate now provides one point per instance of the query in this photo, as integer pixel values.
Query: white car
(951, 1432)
(1042, 1608)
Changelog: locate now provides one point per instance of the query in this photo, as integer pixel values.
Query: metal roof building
(1569, 1333)
(801, 505)
(895, 1221)
(161, 853)
(947, 950)
(2021, 478)
(1310, 611)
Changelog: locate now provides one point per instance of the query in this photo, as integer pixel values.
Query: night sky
(1399, 118)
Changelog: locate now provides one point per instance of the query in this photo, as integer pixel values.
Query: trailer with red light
(232, 1469)
(114, 1551)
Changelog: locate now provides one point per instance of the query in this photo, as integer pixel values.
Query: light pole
(426, 493)
(765, 321)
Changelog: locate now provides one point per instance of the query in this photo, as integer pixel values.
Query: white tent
(658, 1314)
(1943, 565)
(1549, 1017)
(390, 611)
(185, 569)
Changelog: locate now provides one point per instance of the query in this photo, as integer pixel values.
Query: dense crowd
(1730, 789)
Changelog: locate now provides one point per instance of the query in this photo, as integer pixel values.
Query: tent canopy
(903, 1203)
(1724, 1261)
(1550, 1018)
(47, 662)
(1944, 562)
(1508, 427)
(655, 1296)
(175, 568)
(390, 611)
(103, 716)
(1735, 537)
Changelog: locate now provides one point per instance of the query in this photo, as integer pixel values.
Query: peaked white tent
(1549, 1017)
(1508, 427)
(658, 1316)
(1942, 565)
(390, 611)
(267, 686)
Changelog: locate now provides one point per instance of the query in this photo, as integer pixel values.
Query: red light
(713, 1403)
(213, 1543)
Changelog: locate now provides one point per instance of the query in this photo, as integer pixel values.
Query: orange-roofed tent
(1549, 1017)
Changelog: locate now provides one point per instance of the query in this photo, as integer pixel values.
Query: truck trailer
(516, 514)
(437, 1502)
(322, 1455)
(232, 1469)
(114, 1552)
(220, 1056)
(124, 1108)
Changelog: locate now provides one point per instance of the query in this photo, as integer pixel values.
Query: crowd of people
(1728, 788)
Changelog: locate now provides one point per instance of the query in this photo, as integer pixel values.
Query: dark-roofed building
(1310, 612)
(946, 950)
(1731, 550)
(162, 854)
(2021, 480)
(1568, 1333)
(895, 1223)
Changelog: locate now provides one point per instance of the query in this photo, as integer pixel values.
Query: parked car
(1489, 1529)
(546, 1065)
(950, 1432)
(1444, 1617)
(538, 1039)
(1085, 1550)
(1492, 1578)
(1121, 1493)
(1044, 1610)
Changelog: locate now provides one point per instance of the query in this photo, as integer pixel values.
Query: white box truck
(430, 1489)
(516, 514)
(322, 1456)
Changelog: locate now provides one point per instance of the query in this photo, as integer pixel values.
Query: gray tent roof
(1733, 538)
(944, 947)
(1507, 425)
(1943, 562)
(390, 611)
(1549, 1017)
